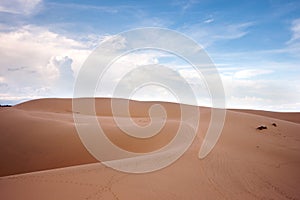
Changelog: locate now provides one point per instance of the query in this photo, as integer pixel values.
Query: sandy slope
(245, 164)
(288, 116)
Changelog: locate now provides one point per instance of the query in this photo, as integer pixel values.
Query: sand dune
(245, 164)
(288, 116)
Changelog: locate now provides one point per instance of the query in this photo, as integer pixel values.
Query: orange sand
(245, 164)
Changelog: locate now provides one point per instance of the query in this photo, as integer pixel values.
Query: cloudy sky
(255, 45)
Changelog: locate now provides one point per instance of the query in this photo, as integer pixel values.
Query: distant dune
(42, 156)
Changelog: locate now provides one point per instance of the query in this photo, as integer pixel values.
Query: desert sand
(42, 156)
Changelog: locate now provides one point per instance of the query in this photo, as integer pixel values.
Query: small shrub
(261, 127)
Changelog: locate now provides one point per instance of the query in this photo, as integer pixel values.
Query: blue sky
(254, 44)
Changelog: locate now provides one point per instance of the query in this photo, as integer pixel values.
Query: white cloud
(36, 46)
(208, 21)
(246, 89)
(2, 79)
(261, 93)
(252, 88)
(295, 29)
(63, 76)
(22, 7)
(114, 43)
(123, 65)
(38, 62)
(250, 73)
(185, 4)
(293, 45)
(209, 33)
(234, 31)
(150, 58)
(80, 6)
